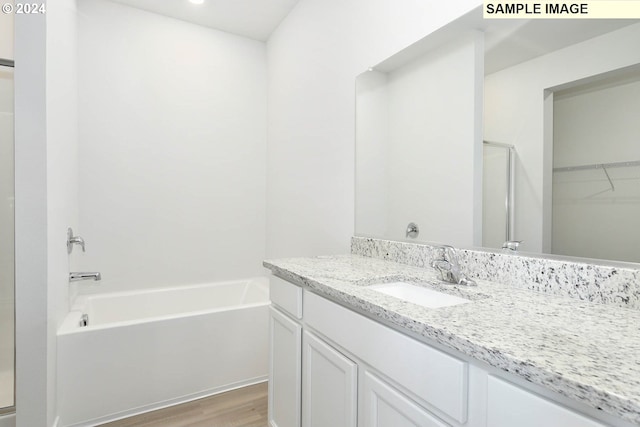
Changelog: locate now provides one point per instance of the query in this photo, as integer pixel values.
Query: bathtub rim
(70, 323)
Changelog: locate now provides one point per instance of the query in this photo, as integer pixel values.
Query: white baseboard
(166, 403)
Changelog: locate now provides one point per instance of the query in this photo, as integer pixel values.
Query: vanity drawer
(509, 405)
(286, 295)
(436, 378)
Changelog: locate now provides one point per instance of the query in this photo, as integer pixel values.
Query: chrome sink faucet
(449, 267)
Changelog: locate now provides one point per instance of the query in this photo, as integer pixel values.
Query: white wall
(6, 35)
(62, 168)
(514, 114)
(314, 57)
(594, 125)
(372, 152)
(598, 122)
(46, 191)
(172, 150)
(34, 341)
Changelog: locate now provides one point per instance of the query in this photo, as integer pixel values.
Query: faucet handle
(73, 240)
(444, 268)
(465, 281)
(511, 245)
(449, 267)
(412, 230)
(450, 253)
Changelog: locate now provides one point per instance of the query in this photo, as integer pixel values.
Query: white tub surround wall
(172, 161)
(582, 351)
(149, 349)
(62, 148)
(587, 281)
(62, 168)
(314, 56)
(46, 198)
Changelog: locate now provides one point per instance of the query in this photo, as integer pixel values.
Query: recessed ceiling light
(196, 1)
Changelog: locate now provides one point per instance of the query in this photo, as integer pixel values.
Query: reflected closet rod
(498, 144)
(604, 166)
(6, 62)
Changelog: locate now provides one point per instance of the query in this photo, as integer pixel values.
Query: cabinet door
(436, 378)
(329, 385)
(384, 406)
(509, 405)
(285, 357)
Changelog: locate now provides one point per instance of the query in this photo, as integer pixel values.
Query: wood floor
(245, 407)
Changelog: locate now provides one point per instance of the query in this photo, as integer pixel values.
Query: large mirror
(489, 131)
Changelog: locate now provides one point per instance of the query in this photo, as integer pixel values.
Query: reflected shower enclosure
(498, 171)
(6, 239)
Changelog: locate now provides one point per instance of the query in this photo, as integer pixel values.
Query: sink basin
(419, 295)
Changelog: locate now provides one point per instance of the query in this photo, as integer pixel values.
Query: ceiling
(255, 19)
(510, 42)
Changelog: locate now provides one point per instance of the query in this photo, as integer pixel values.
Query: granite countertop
(582, 350)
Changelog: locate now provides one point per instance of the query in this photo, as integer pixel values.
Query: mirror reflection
(596, 169)
(489, 131)
(498, 179)
(418, 149)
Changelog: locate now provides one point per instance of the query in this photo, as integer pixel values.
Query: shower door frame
(509, 203)
(7, 410)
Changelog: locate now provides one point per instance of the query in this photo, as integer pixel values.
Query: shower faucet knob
(73, 240)
(412, 230)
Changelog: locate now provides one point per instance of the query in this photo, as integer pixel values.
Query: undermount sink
(419, 295)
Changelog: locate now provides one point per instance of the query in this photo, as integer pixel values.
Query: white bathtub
(154, 348)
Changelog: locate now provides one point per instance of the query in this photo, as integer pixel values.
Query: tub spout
(75, 277)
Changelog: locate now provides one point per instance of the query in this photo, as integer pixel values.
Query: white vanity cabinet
(509, 405)
(436, 380)
(385, 406)
(333, 367)
(285, 355)
(329, 381)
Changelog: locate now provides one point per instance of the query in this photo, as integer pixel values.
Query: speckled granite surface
(585, 351)
(604, 284)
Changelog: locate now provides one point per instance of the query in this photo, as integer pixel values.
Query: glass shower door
(7, 305)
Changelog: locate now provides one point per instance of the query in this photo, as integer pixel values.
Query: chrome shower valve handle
(73, 240)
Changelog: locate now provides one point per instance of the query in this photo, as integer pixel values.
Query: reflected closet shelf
(597, 166)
